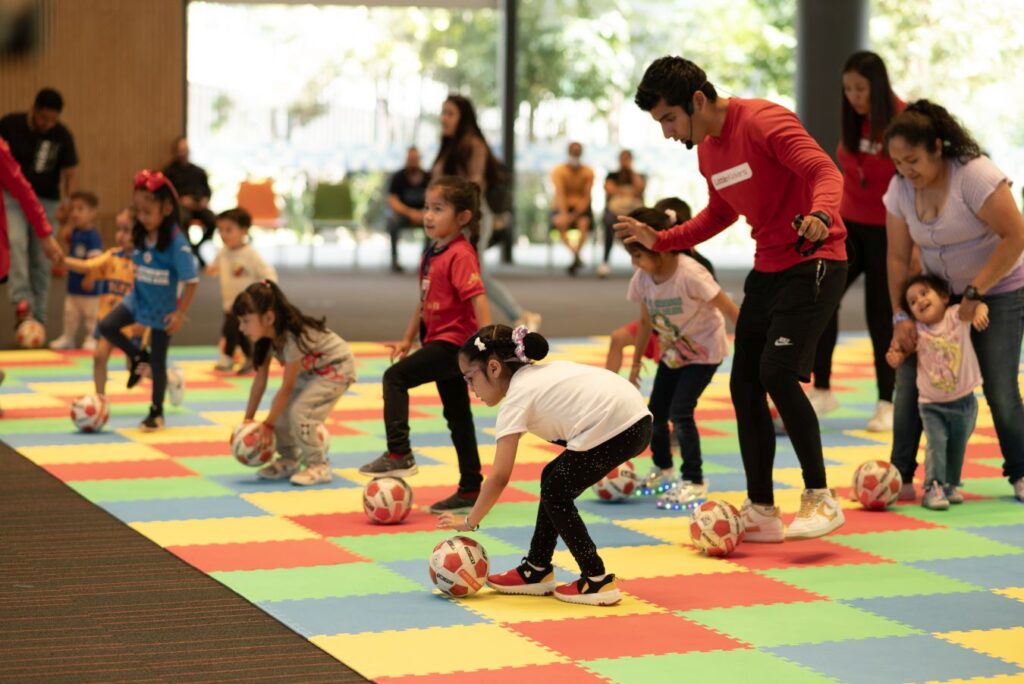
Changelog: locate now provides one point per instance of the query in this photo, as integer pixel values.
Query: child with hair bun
(600, 419)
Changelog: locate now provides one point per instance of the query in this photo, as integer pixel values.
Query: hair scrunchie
(519, 336)
(671, 213)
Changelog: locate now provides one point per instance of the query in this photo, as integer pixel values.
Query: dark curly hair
(497, 343)
(934, 282)
(923, 122)
(674, 80)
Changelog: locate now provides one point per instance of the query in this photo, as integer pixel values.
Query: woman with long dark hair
(868, 105)
(465, 153)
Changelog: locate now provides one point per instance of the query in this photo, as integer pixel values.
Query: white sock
(598, 578)
(538, 569)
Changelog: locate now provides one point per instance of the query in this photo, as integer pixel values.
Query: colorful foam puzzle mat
(905, 595)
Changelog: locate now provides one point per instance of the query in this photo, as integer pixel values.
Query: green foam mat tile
(400, 546)
(931, 544)
(868, 581)
(741, 665)
(971, 513)
(319, 581)
(151, 488)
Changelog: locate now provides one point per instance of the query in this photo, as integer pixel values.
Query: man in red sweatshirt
(760, 162)
(12, 181)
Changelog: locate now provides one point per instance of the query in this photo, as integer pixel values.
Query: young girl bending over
(682, 304)
(597, 415)
(163, 260)
(452, 306)
(318, 368)
(947, 375)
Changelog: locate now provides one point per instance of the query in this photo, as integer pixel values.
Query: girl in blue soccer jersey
(163, 261)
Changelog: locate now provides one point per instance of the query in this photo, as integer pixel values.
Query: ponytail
(514, 349)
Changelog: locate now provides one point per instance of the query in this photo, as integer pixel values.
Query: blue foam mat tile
(416, 570)
(628, 509)
(995, 572)
(913, 658)
(194, 508)
(246, 483)
(1008, 534)
(949, 612)
(377, 613)
(603, 534)
(63, 439)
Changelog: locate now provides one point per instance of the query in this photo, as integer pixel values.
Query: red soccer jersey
(449, 280)
(866, 176)
(765, 166)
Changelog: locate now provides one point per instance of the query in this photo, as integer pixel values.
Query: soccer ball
(618, 484)
(876, 484)
(716, 528)
(248, 447)
(458, 566)
(30, 334)
(387, 500)
(90, 413)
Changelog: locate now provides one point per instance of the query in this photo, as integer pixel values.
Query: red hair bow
(153, 181)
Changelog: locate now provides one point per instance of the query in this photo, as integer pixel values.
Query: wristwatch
(471, 528)
(971, 293)
(900, 316)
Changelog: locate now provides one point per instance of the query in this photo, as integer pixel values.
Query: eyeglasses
(468, 377)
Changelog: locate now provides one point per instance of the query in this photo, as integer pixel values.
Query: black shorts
(784, 313)
(588, 213)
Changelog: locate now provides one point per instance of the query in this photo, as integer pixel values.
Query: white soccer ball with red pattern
(30, 334)
(617, 485)
(387, 500)
(876, 484)
(250, 447)
(458, 566)
(716, 528)
(90, 413)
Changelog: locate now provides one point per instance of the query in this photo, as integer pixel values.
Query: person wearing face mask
(955, 205)
(573, 183)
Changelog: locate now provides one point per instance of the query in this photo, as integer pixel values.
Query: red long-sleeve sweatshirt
(765, 166)
(13, 182)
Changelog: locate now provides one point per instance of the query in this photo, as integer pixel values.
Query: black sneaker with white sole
(458, 502)
(390, 465)
(154, 421)
(134, 370)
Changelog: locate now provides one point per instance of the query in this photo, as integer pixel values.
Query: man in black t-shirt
(193, 188)
(624, 192)
(45, 151)
(406, 199)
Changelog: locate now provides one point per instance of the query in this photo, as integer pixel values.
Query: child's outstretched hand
(980, 321)
(399, 350)
(450, 521)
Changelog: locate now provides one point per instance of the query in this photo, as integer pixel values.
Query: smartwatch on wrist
(900, 316)
(971, 293)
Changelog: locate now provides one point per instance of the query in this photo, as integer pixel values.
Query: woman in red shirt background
(868, 106)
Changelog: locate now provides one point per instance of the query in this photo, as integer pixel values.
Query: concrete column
(507, 47)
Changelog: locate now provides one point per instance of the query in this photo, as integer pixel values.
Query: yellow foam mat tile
(71, 388)
(434, 475)
(29, 356)
(178, 435)
(309, 502)
(511, 609)
(222, 531)
(91, 453)
(440, 650)
(879, 437)
(1012, 592)
(674, 530)
(229, 419)
(636, 562)
(997, 679)
(1006, 644)
(855, 455)
(446, 454)
(32, 401)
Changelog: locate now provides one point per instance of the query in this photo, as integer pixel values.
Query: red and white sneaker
(525, 579)
(22, 311)
(590, 593)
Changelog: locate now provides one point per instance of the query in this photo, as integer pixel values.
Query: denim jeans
(30, 269)
(998, 350)
(497, 293)
(947, 427)
(674, 397)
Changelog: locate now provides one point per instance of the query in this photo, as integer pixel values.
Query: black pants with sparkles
(564, 479)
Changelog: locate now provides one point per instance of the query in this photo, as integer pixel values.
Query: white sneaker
(531, 320)
(176, 385)
(819, 514)
(603, 270)
(89, 344)
(318, 473)
(762, 524)
(278, 470)
(823, 401)
(657, 481)
(62, 342)
(683, 496)
(225, 364)
(882, 420)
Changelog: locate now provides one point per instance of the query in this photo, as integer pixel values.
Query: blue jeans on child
(674, 398)
(947, 427)
(30, 269)
(998, 350)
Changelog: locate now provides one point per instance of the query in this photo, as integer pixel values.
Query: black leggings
(781, 319)
(436, 362)
(866, 250)
(159, 341)
(233, 337)
(564, 479)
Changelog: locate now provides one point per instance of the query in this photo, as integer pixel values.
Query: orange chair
(259, 200)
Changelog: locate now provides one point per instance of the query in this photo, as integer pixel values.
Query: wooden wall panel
(120, 65)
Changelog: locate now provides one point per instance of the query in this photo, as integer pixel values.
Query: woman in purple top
(955, 205)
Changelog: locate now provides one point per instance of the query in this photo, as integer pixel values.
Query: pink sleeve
(13, 181)
(793, 146)
(712, 220)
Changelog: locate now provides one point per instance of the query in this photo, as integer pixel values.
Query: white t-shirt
(681, 313)
(584, 406)
(240, 268)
